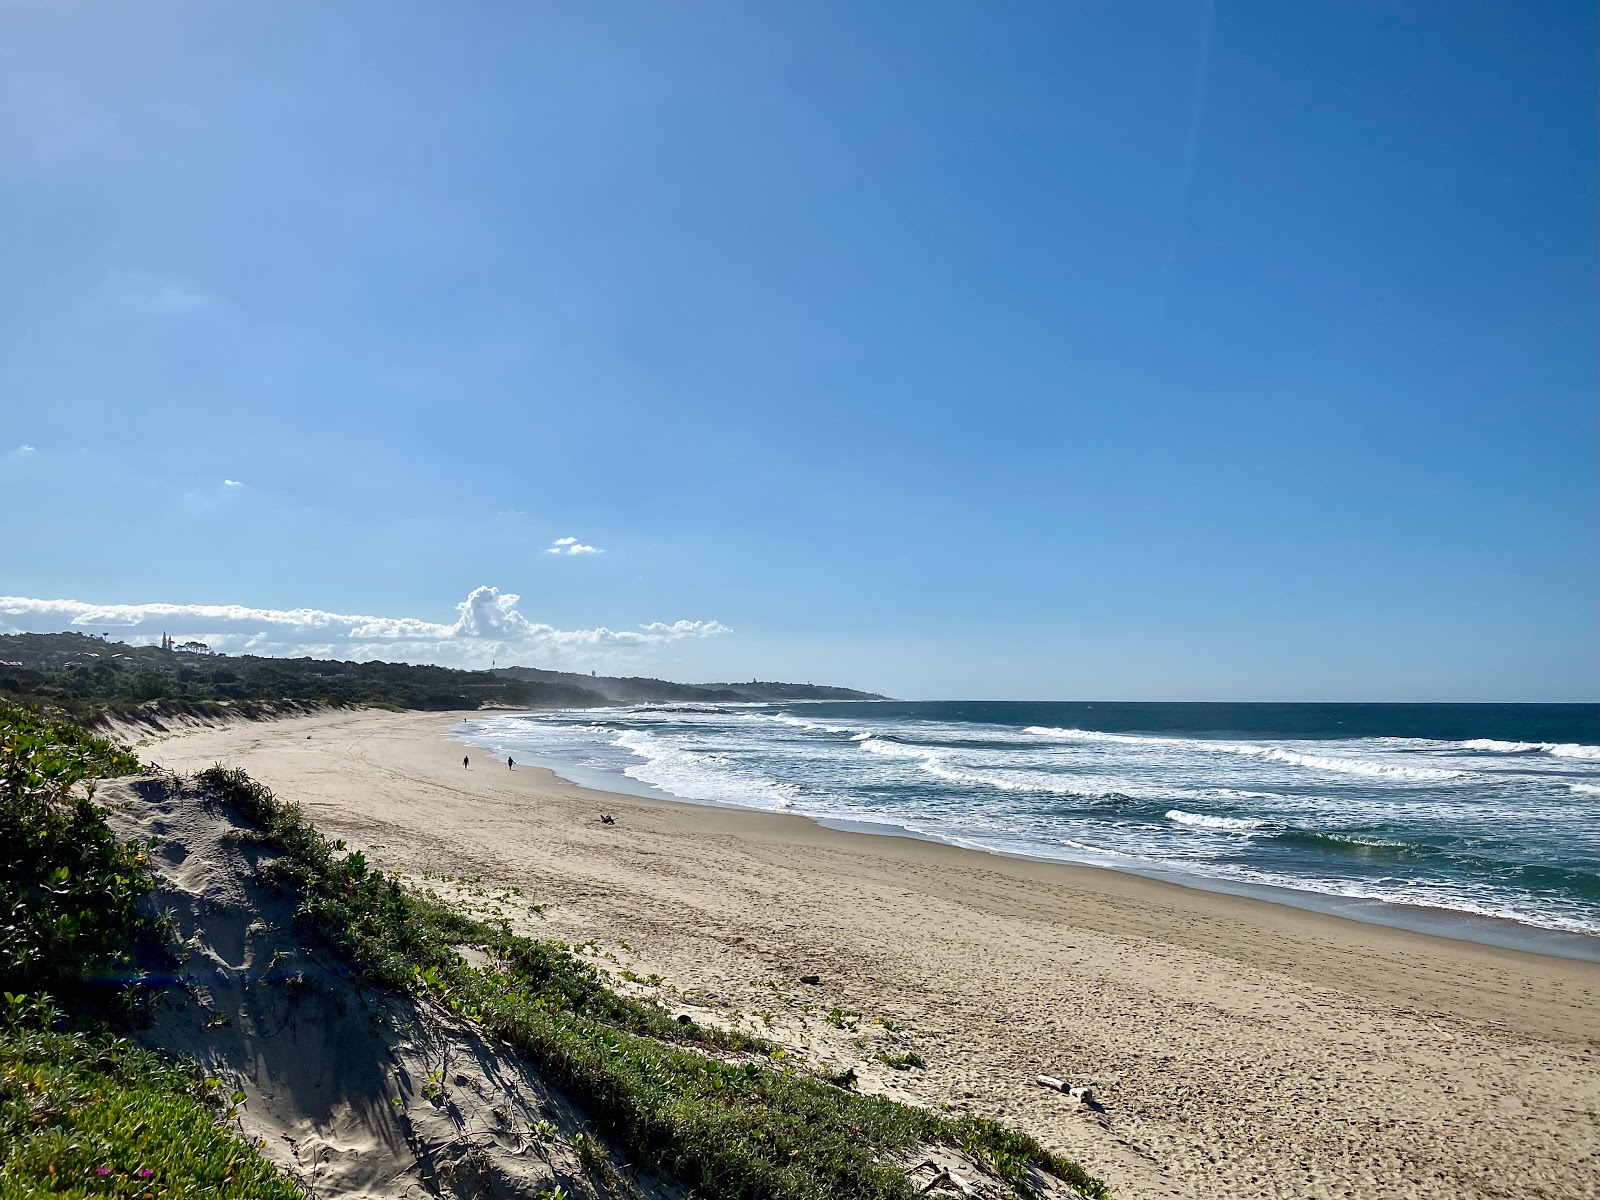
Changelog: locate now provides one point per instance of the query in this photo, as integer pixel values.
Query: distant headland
(86, 673)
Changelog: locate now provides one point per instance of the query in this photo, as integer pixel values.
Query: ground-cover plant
(707, 1107)
(903, 1062)
(83, 1116)
(83, 1112)
(842, 1018)
(69, 890)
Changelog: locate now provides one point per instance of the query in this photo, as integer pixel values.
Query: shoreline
(1240, 1047)
(1506, 933)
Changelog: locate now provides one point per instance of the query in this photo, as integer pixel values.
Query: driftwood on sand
(1084, 1095)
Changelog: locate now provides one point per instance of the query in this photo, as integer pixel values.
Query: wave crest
(1339, 764)
(1204, 821)
(1555, 749)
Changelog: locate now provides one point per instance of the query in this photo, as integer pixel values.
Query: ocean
(1477, 820)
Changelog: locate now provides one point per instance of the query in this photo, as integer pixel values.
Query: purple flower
(145, 1172)
(102, 1170)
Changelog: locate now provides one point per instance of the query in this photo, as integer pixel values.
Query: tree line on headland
(85, 674)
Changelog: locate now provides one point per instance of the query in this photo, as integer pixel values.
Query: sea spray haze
(1491, 810)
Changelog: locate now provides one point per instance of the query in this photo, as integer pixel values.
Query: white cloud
(488, 627)
(571, 545)
(231, 483)
(680, 629)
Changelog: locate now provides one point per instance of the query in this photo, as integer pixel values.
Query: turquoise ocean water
(1477, 820)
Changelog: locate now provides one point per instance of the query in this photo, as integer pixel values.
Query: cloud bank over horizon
(488, 628)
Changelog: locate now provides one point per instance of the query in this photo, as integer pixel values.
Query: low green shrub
(903, 1062)
(69, 890)
(87, 1113)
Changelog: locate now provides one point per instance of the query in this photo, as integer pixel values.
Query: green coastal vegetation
(90, 676)
(85, 1111)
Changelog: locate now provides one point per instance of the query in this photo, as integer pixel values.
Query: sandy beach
(1239, 1048)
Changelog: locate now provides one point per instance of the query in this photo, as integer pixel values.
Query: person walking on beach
(463, 762)
(510, 762)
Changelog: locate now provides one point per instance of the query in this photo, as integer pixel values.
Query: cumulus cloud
(571, 545)
(488, 627)
(231, 483)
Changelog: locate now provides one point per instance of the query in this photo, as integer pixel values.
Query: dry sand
(1239, 1048)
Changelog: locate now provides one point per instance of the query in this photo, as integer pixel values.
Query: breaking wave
(795, 722)
(1501, 826)
(1202, 821)
(1554, 749)
(700, 775)
(1339, 764)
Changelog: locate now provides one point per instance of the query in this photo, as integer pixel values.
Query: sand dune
(1239, 1048)
(354, 1091)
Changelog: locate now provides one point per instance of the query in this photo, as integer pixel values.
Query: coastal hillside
(205, 995)
(634, 689)
(85, 674)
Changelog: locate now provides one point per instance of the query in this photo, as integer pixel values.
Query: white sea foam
(1145, 801)
(1222, 793)
(1203, 821)
(890, 749)
(1338, 763)
(698, 775)
(1094, 735)
(941, 765)
(949, 766)
(795, 722)
(1038, 783)
(1555, 749)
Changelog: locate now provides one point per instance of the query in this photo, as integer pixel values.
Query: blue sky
(1062, 350)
